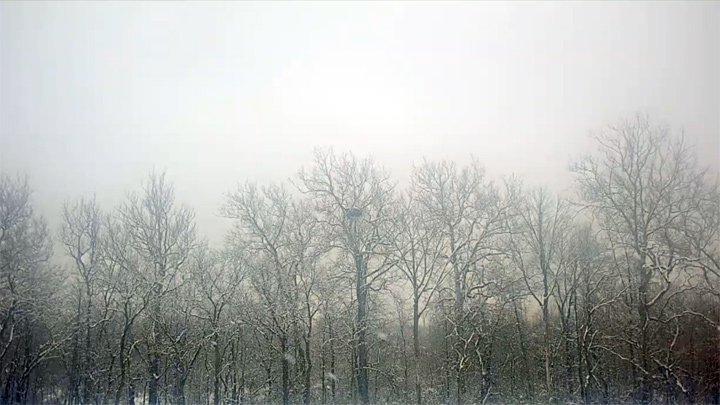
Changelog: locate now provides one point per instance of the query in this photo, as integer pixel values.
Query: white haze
(93, 96)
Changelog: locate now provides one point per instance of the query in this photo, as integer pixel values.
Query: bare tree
(163, 237)
(306, 253)
(540, 232)
(471, 211)
(352, 197)
(639, 185)
(29, 334)
(697, 233)
(81, 234)
(279, 242)
(217, 278)
(417, 252)
(313, 296)
(124, 280)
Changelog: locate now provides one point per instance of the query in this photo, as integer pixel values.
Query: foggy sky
(93, 96)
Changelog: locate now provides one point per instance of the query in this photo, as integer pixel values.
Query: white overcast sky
(95, 95)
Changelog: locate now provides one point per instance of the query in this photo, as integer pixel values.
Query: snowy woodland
(343, 287)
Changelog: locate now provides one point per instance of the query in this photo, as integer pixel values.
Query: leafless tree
(417, 252)
(471, 211)
(81, 235)
(280, 233)
(313, 295)
(216, 279)
(540, 230)
(29, 335)
(351, 197)
(163, 236)
(638, 185)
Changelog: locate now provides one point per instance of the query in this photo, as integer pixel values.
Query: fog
(96, 95)
(554, 238)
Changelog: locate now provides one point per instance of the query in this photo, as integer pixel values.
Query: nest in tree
(353, 213)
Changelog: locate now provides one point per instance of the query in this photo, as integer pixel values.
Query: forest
(342, 287)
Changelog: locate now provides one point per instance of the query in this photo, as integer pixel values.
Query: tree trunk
(459, 278)
(568, 366)
(416, 349)
(308, 364)
(332, 360)
(406, 364)
(131, 394)
(308, 369)
(217, 363)
(87, 360)
(645, 389)
(322, 369)
(154, 371)
(523, 351)
(75, 371)
(545, 268)
(121, 356)
(179, 391)
(362, 373)
(353, 377)
(448, 364)
(546, 351)
(285, 370)
(579, 344)
(153, 353)
(268, 372)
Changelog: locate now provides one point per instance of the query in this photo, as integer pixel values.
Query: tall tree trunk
(523, 351)
(308, 367)
(217, 363)
(154, 376)
(459, 278)
(87, 360)
(545, 268)
(75, 371)
(234, 380)
(416, 349)
(131, 394)
(406, 364)
(448, 363)
(121, 357)
(580, 345)
(568, 365)
(285, 370)
(645, 389)
(179, 390)
(332, 360)
(153, 351)
(323, 356)
(269, 376)
(546, 350)
(354, 375)
(362, 360)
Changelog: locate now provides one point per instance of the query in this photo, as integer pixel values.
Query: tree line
(343, 287)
